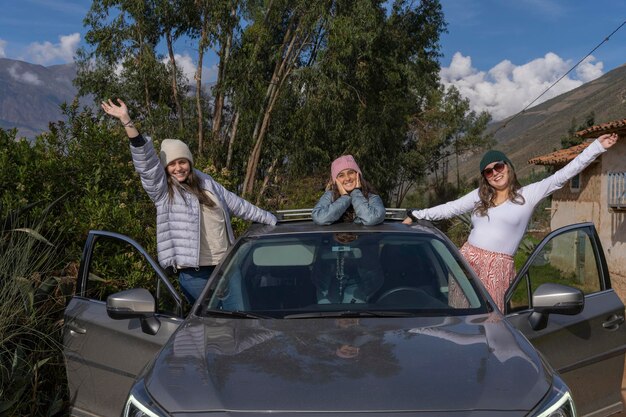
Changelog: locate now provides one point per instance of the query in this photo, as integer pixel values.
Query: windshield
(321, 274)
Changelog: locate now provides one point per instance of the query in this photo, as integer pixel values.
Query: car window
(321, 272)
(569, 259)
(117, 265)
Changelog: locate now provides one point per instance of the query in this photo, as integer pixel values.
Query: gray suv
(305, 320)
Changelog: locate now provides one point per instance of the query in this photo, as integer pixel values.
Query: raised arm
(120, 112)
(608, 140)
(447, 210)
(145, 158)
(244, 209)
(535, 192)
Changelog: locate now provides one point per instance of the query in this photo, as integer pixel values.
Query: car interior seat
(279, 287)
(407, 266)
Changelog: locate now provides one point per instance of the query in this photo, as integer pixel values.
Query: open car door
(104, 356)
(587, 348)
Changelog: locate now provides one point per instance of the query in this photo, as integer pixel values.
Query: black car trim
(350, 313)
(236, 314)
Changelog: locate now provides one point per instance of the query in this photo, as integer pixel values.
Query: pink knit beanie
(341, 163)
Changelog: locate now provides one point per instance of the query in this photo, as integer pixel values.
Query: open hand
(607, 140)
(118, 111)
(342, 191)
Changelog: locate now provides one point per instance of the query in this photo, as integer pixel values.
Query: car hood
(374, 364)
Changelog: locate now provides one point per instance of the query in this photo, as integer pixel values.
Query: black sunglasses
(498, 167)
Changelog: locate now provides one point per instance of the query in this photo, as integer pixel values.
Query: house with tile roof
(598, 194)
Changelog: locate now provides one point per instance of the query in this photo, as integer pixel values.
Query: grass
(31, 305)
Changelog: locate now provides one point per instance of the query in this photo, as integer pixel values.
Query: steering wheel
(400, 295)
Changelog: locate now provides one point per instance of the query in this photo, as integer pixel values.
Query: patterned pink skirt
(495, 270)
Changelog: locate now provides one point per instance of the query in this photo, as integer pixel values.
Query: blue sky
(501, 54)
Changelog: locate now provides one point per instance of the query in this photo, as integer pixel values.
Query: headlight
(140, 404)
(558, 402)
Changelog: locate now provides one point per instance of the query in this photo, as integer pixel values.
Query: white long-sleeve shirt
(502, 229)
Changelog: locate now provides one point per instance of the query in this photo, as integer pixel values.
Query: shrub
(31, 301)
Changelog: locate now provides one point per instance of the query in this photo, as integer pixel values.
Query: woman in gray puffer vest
(193, 210)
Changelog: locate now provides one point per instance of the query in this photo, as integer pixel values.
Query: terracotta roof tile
(561, 156)
(617, 126)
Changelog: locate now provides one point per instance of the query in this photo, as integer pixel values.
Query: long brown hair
(366, 188)
(191, 185)
(487, 193)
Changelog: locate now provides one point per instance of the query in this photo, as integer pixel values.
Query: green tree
(199, 20)
(370, 71)
(169, 14)
(446, 128)
(294, 23)
(571, 139)
(297, 81)
(122, 62)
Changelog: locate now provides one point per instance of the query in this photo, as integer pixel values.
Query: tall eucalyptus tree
(123, 35)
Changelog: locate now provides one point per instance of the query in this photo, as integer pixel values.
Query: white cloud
(210, 73)
(507, 88)
(187, 67)
(3, 44)
(23, 76)
(46, 52)
(588, 71)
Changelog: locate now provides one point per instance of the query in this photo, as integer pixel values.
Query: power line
(563, 76)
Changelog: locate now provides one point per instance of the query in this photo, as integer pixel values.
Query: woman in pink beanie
(349, 197)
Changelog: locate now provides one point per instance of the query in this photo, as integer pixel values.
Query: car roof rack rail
(294, 214)
(306, 214)
(395, 213)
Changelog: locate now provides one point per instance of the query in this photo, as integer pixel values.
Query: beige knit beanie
(172, 149)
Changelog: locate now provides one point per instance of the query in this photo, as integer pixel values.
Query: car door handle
(74, 328)
(613, 322)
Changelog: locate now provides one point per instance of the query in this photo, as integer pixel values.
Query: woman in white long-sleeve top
(193, 210)
(349, 197)
(501, 209)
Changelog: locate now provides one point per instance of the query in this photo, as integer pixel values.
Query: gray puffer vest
(178, 219)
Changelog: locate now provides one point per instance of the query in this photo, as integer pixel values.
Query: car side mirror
(134, 303)
(553, 298)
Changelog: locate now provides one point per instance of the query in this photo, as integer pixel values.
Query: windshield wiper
(351, 313)
(237, 314)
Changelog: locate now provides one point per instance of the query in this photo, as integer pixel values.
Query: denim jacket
(369, 211)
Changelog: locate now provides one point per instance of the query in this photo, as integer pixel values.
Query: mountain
(539, 129)
(30, 95)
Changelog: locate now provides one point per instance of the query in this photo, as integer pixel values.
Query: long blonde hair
(487, 193)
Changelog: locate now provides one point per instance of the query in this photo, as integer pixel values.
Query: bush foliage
(32, 293)
(76, 177)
